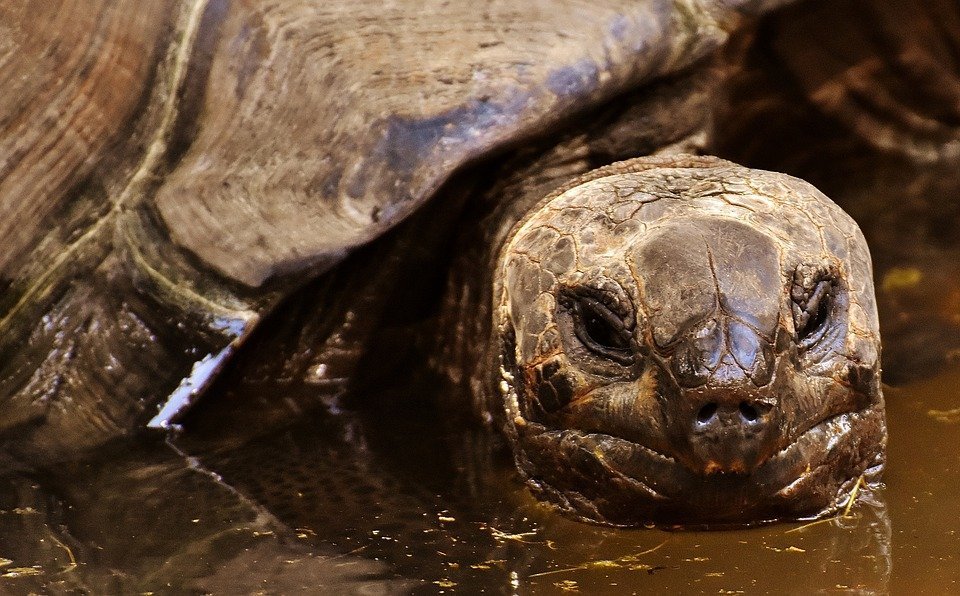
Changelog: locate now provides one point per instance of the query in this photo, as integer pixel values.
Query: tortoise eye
(813, 296)
(601, 330)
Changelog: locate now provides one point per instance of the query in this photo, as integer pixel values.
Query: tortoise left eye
(814, 295)
(811, 313)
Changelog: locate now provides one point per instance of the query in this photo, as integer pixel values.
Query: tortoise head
(687, 340)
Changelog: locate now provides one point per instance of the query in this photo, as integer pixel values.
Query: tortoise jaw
(837, 440)
(614, 481)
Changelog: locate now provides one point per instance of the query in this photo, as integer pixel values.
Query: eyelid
(622, 355)
(615, 305)
(604, 310)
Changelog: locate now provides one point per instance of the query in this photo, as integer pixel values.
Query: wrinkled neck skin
(684, 340)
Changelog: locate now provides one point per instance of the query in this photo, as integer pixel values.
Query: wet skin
(684, 339)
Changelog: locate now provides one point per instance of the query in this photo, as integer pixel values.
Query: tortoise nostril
(706, 413)
(748, 412)
(729, 431)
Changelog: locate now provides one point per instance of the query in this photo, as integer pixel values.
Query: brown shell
(169, 170)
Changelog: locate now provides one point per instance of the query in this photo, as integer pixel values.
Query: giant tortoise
(659, 335)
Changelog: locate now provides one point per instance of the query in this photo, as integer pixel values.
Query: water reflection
(297, 510)
(385, 503)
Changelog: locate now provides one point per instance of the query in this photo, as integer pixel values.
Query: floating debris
(629, 562)
(22, 572)
(522, 537)
(789, 549)
(489, 564)
(853, 496)
(846, 509)
(568, 585)
(73, 560)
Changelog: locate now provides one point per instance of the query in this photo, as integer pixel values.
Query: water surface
(302, 510)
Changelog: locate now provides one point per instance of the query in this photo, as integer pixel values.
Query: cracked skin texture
(724, 292)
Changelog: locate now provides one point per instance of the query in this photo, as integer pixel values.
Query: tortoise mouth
(608, 479)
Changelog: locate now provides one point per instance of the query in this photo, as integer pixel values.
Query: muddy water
(303, 510)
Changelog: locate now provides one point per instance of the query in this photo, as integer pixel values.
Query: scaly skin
(685, 339)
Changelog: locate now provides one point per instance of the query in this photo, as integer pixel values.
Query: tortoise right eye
(601, 330)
